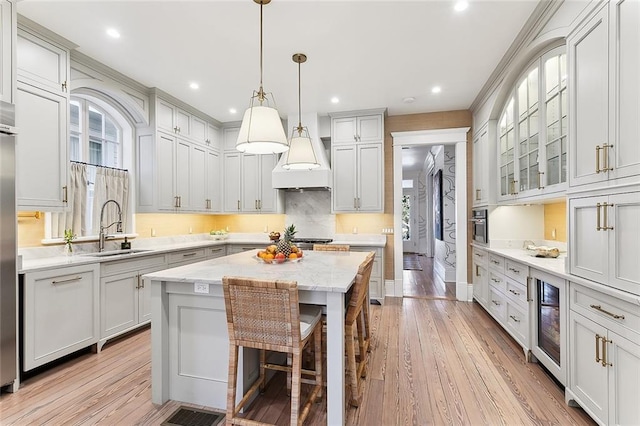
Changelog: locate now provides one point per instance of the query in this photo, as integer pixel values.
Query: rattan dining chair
(331, 247)
(355, 322)
(266, 315)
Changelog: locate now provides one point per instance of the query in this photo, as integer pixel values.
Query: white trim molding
(453, 136)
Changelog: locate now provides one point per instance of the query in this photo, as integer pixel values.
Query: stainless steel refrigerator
(8, 277)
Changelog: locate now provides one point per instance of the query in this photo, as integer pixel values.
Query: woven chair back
(360, 288)
(331, 247)
(262, 314)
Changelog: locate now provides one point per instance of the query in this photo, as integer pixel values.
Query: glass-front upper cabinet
(532, 131)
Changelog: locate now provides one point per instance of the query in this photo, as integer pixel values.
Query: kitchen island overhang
(189, 341)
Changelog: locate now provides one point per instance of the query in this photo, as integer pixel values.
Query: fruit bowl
(278, 261)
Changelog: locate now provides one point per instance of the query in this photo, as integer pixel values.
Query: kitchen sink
(116, 253)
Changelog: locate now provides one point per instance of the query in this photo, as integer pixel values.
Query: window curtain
(74, 217)
(110, 184)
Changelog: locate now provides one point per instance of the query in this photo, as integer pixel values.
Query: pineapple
(284, 246)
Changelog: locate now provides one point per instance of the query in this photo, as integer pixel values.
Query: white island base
(189, 341)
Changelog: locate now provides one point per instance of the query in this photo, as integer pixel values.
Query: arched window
(95, 137)
(532, 129)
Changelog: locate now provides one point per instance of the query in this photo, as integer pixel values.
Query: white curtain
(74, 217)
(110, 184)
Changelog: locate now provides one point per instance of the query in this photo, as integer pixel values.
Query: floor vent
(187, 416)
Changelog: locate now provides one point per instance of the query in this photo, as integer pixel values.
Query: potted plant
(69, 236)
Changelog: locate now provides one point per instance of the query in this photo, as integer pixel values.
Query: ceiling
(369, 54)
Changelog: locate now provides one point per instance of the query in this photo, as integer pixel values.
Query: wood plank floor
(434, 362)
(426, 283)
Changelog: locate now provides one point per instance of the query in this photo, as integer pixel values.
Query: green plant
(69, 236)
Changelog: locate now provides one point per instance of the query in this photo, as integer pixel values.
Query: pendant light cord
(299, 104)
(261, 92)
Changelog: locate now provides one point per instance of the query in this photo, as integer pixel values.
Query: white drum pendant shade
(261, 131)
(301, 155)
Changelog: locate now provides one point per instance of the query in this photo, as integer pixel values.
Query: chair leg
(289, 358)
(263, 361)
(295, 388)
(352, 379)
(318, 357)
(231, 385)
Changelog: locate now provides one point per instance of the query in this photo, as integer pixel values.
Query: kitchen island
(189, 353)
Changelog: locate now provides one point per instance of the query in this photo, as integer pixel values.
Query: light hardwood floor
(426, 283)
(433, 362)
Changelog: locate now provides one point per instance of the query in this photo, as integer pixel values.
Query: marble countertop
(324, 271)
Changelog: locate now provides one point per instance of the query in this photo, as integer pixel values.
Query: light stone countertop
(36, 259)
(324, 271)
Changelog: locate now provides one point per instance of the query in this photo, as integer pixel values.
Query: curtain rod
(97, 165)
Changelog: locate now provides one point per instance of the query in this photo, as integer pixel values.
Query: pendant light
(300, 155)
(261, 131)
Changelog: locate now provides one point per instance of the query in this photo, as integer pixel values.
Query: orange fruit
(293, 256)
(268, 256)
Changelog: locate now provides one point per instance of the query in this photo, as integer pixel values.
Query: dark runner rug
(411, 262)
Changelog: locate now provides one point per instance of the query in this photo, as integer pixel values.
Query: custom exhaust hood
(317, 179)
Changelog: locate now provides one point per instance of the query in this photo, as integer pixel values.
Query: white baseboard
(393, 288)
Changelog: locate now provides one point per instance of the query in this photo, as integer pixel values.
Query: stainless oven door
(480, 227)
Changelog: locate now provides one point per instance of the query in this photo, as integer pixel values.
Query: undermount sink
(116, 253)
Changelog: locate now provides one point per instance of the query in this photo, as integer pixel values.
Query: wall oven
(549, 323)
(480, 226)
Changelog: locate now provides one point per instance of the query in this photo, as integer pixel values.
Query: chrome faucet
(118, 223)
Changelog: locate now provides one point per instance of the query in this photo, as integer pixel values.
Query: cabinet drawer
(516, 270)
(617, 315)
(516, 292)
(498, 281)
(480, 256)
(518, 324)
(497, 305)
(496, 263)
(186, 256)
(120, 266)
(217, 251)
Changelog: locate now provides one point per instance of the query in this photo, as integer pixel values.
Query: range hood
(318, 178)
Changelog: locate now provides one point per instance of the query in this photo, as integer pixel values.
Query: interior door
(410, 236)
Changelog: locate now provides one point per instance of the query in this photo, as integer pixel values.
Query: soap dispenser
(125, 245)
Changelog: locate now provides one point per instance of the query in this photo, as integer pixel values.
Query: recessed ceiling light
(409, 100)
(461, 5)
(194, 85)
(436, 89)
(112, 32)
(335, 100)
(232, 110)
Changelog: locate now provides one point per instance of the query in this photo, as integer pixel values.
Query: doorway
(458, 138)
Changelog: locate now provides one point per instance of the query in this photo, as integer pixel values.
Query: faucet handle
(119, 227)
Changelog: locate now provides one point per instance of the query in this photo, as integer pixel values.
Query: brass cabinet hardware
(598, 227)
(64, 86)
(598, 148)
(175, 202)
(598, 359)
(65, 194)
(529, 299)
(238, 205)
(495, 280)
(514, 292)
(189, 254)
(141, 281)
(605, 362)
(514, 318)
(611, 314)
(515, 271)
(606, 219)
(605, 149)
(68, 280)
(478, 194)
(138, 283)
(495, 302)
(540, 180)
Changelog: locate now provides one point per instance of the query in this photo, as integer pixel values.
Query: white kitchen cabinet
(605, 356)
(41, 63)
(230, 137)
(214, 137)
(605, 239)
(7, 40)
(216, 251)
(213, 195)
(356, 129)
(185, 257)
(484, 175)
(41, 149)
(166, 170)
(60, 313)
(125, 301)
(604, 128)
(198, 159)
(258, 195)
(232, 182)
(376, 281)
(358, 176)
(480, 276)
(532, 133)
(172, 119)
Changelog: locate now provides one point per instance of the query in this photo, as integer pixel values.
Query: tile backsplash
(310, 211)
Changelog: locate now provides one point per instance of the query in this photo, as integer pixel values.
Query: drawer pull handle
(598, 359)
(189, 254)
(496, 302)
(599, 308)
(516, 271)
(495, 280)
(68, 280)
(495, 262)
(529, 299)
(514, 292)
(514, 318)
(605, 362)
(478, 254)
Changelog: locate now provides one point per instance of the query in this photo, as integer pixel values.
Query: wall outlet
(153, 232)
(553, 234)
(200, 288)
(190, 230)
